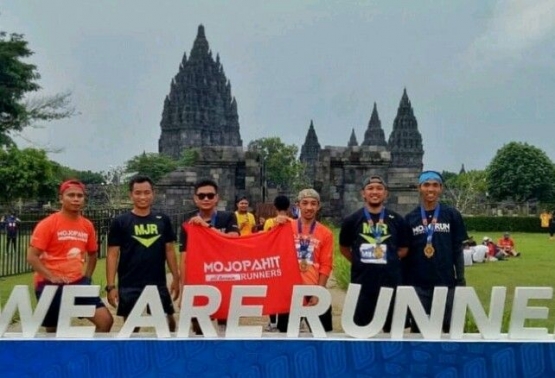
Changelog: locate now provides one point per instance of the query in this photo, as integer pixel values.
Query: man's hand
(198, 220)
(175, 288)
(113, 297)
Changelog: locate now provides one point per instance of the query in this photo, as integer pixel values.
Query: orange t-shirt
(506, 243)
(318, 257)
(63, 243)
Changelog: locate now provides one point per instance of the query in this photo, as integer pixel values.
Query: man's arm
(112, 258)
(91, 264)
(172, 265)
(346, 252)
(33, 258)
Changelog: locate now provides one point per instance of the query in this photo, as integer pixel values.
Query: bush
(503, 224)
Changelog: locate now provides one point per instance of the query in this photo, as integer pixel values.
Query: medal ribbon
(304, 243)
(376, 229)
(212, 218)
(430, 228)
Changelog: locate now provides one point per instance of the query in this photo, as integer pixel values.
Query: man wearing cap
(59, 246)
(435, 255)
(140, 244)
(314, 245)
(374, 239)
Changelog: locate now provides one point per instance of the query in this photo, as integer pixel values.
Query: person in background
(281, 205)
(545, 219)
(11, 224)
(245, 219)
(507, 245)
(60, 245)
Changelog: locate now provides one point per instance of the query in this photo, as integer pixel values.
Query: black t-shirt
(142, 242)
(447, 239)
(224, 221)
(367, 268)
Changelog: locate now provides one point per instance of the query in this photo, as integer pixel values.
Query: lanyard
(430, 228)
(376, 229)
(304, 242)
(212, 218)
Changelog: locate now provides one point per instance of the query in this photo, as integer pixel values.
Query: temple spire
(310, 152)
(405, 141)
(353, 140)
(200, 109)
(374, 135)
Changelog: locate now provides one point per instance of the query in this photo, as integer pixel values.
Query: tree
(466, 189)
(26, 174)
(17, 79)
(86, 177)
(152, 165)
(279, 161)
(521, 172)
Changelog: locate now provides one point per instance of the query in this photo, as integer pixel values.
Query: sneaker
(271, 328)
(517, 254)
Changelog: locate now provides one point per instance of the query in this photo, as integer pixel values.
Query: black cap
(374, 179)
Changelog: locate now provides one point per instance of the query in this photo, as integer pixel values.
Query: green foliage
(189, 157)
(17, 79)
(521, 172)
(152, 165)
(501, 224)
(465, 189)
(86, 177)
(26, 174)
(280, 162)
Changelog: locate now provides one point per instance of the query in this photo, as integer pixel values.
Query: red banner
(266, 258)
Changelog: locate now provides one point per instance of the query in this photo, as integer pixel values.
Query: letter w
(20, 300)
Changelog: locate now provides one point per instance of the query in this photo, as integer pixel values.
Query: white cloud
(515, 27)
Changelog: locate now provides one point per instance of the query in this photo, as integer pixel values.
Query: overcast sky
(479, 73)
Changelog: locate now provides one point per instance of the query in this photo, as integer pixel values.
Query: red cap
(71, 184)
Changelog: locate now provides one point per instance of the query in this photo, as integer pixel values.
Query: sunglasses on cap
(202, 196)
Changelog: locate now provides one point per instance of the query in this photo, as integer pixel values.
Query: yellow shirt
(245, 222)
(545, 218)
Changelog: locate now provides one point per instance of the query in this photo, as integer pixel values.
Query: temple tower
(199, 111)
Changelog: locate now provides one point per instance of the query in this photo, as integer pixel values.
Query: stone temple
(200, 112)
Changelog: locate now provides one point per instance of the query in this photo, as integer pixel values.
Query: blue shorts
(128, 298)
(51, 318)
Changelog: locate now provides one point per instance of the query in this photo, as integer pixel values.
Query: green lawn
(535, 268)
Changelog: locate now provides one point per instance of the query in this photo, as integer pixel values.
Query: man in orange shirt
(314, 244)
(60, 244)
(507, 245)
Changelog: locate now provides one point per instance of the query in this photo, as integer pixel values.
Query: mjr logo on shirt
(146, 234)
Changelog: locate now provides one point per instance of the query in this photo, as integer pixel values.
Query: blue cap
(430, 176)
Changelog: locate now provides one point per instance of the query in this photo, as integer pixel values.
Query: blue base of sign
(273, 358)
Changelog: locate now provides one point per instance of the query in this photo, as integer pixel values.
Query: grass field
(535, 268)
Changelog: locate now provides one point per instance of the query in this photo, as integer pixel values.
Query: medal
(303, 253)
(378, 252)
(429, 250)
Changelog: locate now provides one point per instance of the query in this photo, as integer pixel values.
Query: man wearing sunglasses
(374, 239)
(435, 255)
(206, 199)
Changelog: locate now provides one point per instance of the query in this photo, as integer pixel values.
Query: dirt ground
(337, 295)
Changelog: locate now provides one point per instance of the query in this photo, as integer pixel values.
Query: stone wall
(338, 179)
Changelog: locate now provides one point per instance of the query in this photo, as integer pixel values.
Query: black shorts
(51, 318)
(128, 297)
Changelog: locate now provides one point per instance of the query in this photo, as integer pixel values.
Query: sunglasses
(202, 196)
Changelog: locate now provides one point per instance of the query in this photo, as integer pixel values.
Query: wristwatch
(109, 288)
